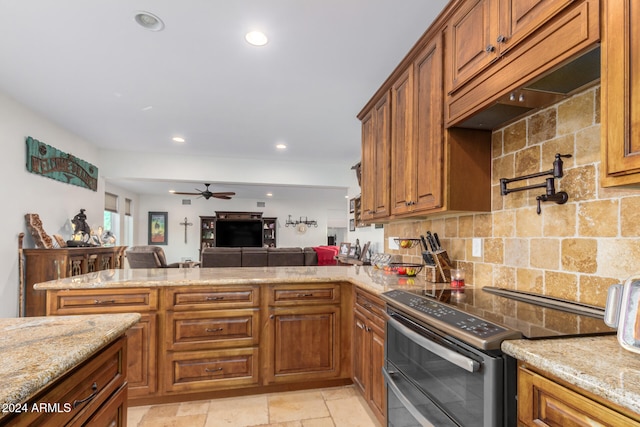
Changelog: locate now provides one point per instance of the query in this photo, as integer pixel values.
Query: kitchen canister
(623, 312)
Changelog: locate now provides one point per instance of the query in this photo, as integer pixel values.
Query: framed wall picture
(158, 228)
(344, 249)
(352, 224)
(352, 205)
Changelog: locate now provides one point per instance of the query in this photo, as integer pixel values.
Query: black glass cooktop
(533, 315)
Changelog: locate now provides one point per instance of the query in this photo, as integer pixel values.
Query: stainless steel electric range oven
(443, 364)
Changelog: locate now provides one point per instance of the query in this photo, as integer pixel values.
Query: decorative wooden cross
(186, 223)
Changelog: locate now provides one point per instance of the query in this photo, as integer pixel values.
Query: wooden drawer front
(205, 370)
(102, 301)
(113, 413)
(542, 402)
(371, 307)
(311, 294)
(81, 392)
(212, 329)
(213, 298)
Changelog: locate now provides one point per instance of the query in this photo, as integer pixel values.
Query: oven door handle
(454, 357)
(405, 401)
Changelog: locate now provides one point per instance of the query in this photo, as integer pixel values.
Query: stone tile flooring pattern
(330, 407)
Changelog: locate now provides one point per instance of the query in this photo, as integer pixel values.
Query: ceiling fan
(208, 194)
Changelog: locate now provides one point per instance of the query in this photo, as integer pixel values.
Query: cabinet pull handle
(367, 306)
(94, 388)
(501, 39)
(104, 301)
(213, 329)
(360, 325)
(305, 295)
(213, 298)
(490, 48)
(212, 370)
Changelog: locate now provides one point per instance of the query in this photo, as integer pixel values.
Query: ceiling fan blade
(186, 194)
(224, 193)
(218, 196)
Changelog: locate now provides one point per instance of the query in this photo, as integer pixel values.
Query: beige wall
(573, 251)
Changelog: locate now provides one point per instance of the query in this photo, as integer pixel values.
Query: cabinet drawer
(543, 402)
(212, 329)
(212, 298)
(101, 301)
(207, 370)
(308, 294)
(113, 413)
(370, 306)
(80, 393)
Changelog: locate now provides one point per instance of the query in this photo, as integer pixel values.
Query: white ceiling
(89, 67)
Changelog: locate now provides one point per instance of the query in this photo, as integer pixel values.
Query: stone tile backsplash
(574, 251)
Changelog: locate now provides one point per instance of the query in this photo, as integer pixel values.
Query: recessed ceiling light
(147, 108)
(148, 21)
(178, 139)
(281, 146)
(256, 38)
(269, 194)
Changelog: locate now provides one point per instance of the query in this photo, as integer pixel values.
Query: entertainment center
(237, 229)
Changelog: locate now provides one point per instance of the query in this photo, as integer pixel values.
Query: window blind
(110, 202)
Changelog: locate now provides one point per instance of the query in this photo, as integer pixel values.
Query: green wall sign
(45, 160)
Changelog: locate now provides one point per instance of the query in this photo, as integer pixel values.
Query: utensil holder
(441, 271)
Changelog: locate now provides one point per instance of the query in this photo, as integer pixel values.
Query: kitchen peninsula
(218, 332)
(63, 369)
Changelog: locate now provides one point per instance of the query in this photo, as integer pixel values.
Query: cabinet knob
(490, 48)
(501, 39)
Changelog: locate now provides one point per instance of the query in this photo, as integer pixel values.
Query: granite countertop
(595, 364)
(367, 277)
(36, 351)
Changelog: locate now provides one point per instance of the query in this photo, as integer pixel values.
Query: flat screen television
(241, 233)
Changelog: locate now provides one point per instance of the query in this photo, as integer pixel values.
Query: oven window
(467, 397)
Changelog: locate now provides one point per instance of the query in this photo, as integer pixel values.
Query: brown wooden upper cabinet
(498, 47)
(483, 30)
(416, 133)
(620, 93)
(376, 157)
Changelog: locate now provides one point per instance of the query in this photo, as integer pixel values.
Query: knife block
(441, 271)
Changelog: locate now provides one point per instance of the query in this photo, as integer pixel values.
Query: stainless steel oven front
(436, 380)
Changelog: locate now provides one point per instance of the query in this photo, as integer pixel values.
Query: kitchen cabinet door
(142, 356)
(620, 94)
(471, 39)
(402, 144)
(428, 176)
(376, 161)
(368, 351)
(305, 344)
(519, 18)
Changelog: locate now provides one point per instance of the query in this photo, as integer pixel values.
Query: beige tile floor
(330, 407)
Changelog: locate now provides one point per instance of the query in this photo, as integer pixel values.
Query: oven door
(433, 380)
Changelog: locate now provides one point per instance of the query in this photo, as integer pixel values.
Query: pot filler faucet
(550, 195)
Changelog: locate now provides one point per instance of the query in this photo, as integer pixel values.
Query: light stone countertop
(36, 351)
(366, 277)
(595, 364)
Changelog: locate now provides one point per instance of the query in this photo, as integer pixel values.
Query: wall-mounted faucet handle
(557, 165)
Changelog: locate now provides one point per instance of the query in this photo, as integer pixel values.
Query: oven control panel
(453, 317)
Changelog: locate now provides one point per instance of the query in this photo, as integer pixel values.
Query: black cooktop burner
(531, 315)
(534, 315)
